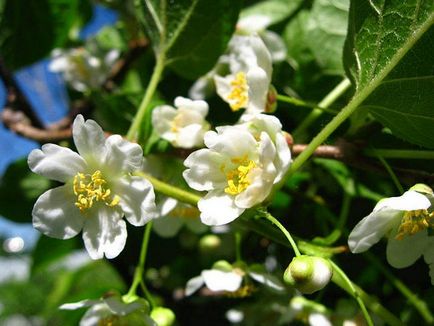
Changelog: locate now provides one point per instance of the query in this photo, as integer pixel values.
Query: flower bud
(163, 316)
(209, 243)
(271, 104)
(422, 188)
(308, 274)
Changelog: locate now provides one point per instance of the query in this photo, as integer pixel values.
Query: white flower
(113, 311)
(98, 189)
(238, 169)
(173, 215)
(405, 220)
(81, 69)
(225, 277)
(257, 23)
(182, 127)
(249, 80)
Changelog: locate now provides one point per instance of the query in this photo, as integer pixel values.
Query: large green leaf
(389, 58)
(19, 189)
(30, 29)
(191, 34)
(326, 30)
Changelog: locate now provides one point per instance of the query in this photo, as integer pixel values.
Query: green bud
(223, 266)
(422, 188)
(163, 316)
(308, 274)
(209, 243)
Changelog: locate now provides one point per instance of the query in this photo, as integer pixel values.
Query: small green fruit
(308, 274)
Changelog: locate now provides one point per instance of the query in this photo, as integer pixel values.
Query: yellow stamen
(239, 92)
(237, 178)
(414, 221)
(92, 188)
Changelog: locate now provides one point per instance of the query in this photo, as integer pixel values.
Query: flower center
(237, 178)
(92, 188)
(238, 95)
(414, 221)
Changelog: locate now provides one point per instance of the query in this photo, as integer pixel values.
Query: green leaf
(387, 56)
(345, 179)
(20, 185)
(190, 34)
(30, 29)
(326, 30)
(275, 10)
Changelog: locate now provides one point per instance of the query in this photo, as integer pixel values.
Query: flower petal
(56, 162)
(198, 106)
(217, 280)
(371, 228)
(409, 201)
(218, 208)
(190, 136)
(162, 117)
(269, 280)
(93, 316)
(88, 138)
(122, 155)
(55, 214)
(137, 199)
(259, 83)
(105, 233)
(403, 253)
(224, 143)
(275, 45)
(79, 304)
(193, 285)
(204, 172)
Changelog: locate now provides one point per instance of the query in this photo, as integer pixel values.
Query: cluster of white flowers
(406, 221)
(98, 191)
(82, 69)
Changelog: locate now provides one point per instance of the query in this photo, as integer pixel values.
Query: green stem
(399, 154)
(353, 290)
(288, 236)
(391, 173)
(138, 273)
(343, 115)
(171, 191)
(417, 303)
(298, 102)
(238, 247)
(144, 109)
(331, 97)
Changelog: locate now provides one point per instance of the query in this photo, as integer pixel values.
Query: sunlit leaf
(191, 34)
(386, 58)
